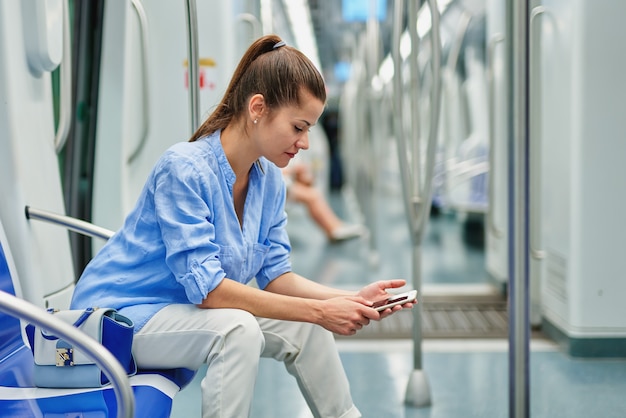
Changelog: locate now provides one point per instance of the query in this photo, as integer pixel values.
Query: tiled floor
(468, 378)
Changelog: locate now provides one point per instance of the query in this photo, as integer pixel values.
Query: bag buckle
(65, 357)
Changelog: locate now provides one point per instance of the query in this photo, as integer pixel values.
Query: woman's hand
(345, 315)
(377, 291)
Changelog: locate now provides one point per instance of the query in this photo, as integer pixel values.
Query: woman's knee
(245, 331)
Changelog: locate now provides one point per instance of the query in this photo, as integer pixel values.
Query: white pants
(230, 342)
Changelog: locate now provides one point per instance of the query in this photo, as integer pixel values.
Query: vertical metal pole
(419, 198)
(518, 140)
(417, 310)
(192, 64)
(413, 7)
(373, 59)
(417, 390)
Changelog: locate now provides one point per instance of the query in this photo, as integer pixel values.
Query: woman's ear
(256, 106)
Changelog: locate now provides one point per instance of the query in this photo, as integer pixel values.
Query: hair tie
(279, 44)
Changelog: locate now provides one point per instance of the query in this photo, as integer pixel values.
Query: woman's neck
(238, 149)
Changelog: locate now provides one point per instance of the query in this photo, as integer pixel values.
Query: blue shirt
(183, 236)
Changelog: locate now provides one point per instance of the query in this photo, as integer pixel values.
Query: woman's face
(286, 132)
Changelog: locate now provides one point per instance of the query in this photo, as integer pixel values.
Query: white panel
(599, 171)
(583, 136)
(29, 173)
(554, 38)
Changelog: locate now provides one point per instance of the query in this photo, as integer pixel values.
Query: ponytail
(272, 69)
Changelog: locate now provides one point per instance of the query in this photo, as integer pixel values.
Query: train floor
(467, 371)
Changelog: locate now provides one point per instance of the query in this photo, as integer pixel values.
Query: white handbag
(59, 365)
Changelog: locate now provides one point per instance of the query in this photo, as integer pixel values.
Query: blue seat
(153, 390)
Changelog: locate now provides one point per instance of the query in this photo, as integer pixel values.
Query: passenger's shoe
(348, 231)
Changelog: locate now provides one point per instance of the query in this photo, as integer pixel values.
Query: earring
(255, 121)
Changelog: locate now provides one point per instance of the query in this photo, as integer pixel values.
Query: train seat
(153, 390)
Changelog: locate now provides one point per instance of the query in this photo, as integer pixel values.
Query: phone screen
(392, 299)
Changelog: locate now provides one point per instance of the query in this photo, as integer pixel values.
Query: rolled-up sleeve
(183, 202)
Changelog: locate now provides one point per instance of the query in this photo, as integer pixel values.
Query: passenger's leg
(317, 206)
(229, 341)
(323, 215)
(310, 355)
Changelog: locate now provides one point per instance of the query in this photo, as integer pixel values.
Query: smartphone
(393, 300)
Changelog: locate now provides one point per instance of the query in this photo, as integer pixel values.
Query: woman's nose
(303, 141)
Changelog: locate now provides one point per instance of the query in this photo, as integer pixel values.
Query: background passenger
(301, 188)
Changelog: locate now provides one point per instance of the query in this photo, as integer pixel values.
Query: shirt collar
(216, 145)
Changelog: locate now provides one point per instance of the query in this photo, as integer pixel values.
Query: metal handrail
(193, 64)
(145, 85)
(73, 224)
(491, 223)
(109, 365)
(65, 85)
(535, 173)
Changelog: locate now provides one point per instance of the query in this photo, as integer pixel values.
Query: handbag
(59, 365)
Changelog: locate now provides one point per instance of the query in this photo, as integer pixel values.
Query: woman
(210, 219)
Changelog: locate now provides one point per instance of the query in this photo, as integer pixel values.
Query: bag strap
(82, 318)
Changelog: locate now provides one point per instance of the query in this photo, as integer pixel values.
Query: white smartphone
(393, 300)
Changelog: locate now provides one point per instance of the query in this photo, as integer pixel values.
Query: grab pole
(191, 15)
(518, 145)
(417, 190)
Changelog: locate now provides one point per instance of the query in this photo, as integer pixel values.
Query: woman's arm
(292, 284)
(341, 314)
(295, 285)
(291, 297)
